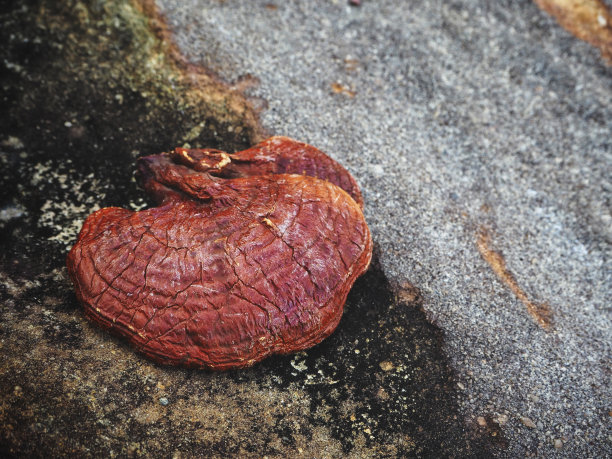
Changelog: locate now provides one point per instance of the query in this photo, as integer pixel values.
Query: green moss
(105, 60)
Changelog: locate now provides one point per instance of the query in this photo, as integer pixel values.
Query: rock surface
(480, 136)
(459, 120)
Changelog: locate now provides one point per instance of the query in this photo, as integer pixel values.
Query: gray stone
(466, 115)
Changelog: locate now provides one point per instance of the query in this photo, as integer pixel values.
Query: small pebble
(133, 449)
(382, 394)
(528, 422)
(386, 365)
(558, 444)
(13, 142)
(482, 422)
(163, 401)
(502, 419)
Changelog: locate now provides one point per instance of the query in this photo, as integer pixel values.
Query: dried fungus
(247, 255)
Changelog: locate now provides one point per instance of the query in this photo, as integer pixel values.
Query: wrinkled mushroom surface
(248, 254)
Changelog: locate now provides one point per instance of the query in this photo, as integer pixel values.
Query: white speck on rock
(13, 142)
(11, 212)
(376, 170)
(299, 365)
(602, 20)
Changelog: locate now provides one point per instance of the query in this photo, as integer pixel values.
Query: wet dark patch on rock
(63, 333)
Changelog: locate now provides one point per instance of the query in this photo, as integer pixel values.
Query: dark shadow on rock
(385, 377)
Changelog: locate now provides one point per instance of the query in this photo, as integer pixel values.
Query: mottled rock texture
(479, 133)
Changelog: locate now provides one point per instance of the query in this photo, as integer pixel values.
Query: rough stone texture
(458, 117)
(480, 135)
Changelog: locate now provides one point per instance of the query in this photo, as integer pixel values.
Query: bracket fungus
(246, 255)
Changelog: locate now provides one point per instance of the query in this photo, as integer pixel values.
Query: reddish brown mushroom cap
(227, 271)
(276, 155)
